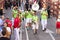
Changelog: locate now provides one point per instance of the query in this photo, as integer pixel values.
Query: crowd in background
(7, 26)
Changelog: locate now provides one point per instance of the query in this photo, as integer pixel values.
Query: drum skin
(35, 7)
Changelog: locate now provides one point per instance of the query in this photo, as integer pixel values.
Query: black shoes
(44, 29)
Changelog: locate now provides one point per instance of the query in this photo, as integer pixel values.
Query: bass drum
(35, 7)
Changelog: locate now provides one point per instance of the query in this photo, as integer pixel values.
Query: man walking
(16, 27)
(44, 15)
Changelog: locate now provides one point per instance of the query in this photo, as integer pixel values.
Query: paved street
(50, 33)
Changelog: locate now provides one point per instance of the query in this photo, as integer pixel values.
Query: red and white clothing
(17, 22)
(9, 22)
(58, 24)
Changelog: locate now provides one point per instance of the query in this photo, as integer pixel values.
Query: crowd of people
(31, 20)
(7, 26)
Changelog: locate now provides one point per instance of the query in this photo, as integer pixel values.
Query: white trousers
(28, 20)
(44, 24)
(35, 26)
(12, 21)
(16, 33)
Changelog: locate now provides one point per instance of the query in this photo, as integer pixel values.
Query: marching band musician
(44, 16)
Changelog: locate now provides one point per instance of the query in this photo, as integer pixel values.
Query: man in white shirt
(1, 22)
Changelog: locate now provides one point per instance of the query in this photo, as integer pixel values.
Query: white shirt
(8, 29)
(1, 22)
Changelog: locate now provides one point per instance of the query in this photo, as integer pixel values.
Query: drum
(35, 7)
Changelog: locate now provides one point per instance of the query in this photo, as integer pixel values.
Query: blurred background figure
(1, 22)
(7, 4)
(4, 33)
(48, 10)
(1, 7)
(27, 4)
(8, 30)
(58, 24)
(30, 4)
(23, 5)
